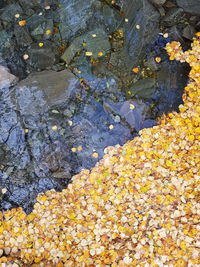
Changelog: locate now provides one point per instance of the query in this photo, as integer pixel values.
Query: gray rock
(158, 2)
(46, 86)
(144, 88)
(26, 4)
(41, 29)
(41, 57)
(6, 78)
(133, 117)
(8, 13)
(175, 34)
(140, 13)
(188, 32)
(5, 40)
(97, 44)
(190, 6)
(35, 21)
(173, 16)
(74, 16)
(22, 36)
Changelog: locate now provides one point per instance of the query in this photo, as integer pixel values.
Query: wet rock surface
(78, 92)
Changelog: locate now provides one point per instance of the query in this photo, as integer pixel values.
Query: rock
(8, 12)
(173, 16)
(41, 57)
(190, 6)
(26, 4)
(158, 2)
(74, 17)
(46, 86)
(41, 29)
(135, 117)
(99, 43)
(22, 36)
(6, 78)
(71, 51)
(189, 32)
(140, 13)
(175, 34)
(144, 88)
(5, 40)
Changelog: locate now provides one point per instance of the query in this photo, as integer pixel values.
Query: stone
(22, 36)
(8, 12)
(51, 86)
(190, 6)
(5, 40)
(41, 57)
(189, 32)
(26, 4)
(172, 17)
(99, 43)
(40, 30)
(158, 2)
(74, 17)
(144, 88)
(140, 13)
(6, 78)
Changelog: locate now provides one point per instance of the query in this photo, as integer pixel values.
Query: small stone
(73, 149)
(17, 16)
(47, 7)
(111, 127)
(137, 27)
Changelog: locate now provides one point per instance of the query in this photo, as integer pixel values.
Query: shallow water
(67, 106)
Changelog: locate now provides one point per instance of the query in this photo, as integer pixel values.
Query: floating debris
(25, 56)
(88, 54)
(54, 127)
(135, 70)
(158, 59)
(95, 155)
(41, 44)
(22, 23)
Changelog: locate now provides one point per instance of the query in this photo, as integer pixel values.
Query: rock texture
(190, 6)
